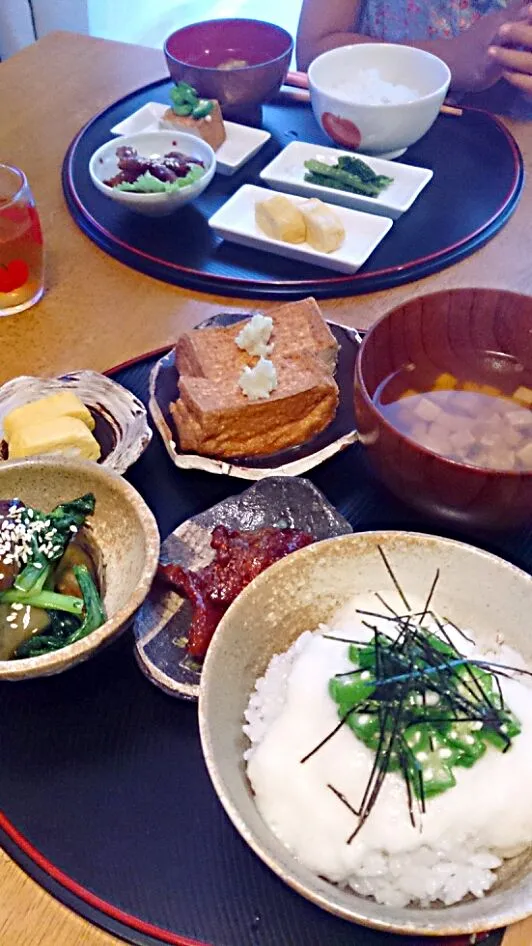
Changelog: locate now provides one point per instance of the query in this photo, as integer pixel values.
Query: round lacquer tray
(104, 796)
(477, 180)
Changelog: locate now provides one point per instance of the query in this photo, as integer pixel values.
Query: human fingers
(514, 59)
(516, 34)
(520, 81)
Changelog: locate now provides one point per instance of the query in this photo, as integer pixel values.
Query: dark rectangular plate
(162, 625)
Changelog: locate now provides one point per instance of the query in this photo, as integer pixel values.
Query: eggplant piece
(82, 550)
(8, 573)
(28, 622)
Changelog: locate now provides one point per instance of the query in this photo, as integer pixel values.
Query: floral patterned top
(396, 21)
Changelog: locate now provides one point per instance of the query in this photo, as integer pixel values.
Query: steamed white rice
(456, 846)
(367, 88)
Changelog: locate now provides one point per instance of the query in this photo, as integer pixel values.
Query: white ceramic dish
(235, 221)
(242, 143)
(385, 129)
(103, 165)
(287, 173)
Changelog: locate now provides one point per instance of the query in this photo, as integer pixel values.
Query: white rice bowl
(456, 846)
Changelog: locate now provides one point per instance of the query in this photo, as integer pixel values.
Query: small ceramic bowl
(452, 331)
(152, 144)
(124, 531)
(121, 421)
(379, 129)
(476, 590)
(197, 53)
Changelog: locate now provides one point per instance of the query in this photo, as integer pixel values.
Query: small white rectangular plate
(241, 144)
(287, 173)
(235, 221)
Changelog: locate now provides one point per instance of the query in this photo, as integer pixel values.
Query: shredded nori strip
(406, 668)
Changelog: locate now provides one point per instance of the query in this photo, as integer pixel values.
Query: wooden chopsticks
(295, 89)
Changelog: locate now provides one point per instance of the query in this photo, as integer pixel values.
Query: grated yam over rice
(456, 846)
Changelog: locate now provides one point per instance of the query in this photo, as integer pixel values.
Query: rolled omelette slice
(325, 230)
(62, 404)
(279, 219)
(67, 435)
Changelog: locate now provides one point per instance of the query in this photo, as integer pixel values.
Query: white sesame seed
(16, 606)
(11, 618)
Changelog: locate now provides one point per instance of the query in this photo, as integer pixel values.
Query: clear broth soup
(467, 420)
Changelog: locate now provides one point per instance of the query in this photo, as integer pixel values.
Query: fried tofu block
(297, 327)
(221, 421)
(211, 128)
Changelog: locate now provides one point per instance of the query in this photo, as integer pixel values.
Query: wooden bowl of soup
(240, 62)
(443, 398)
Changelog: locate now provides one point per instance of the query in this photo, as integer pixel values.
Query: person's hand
(513, 51)
(473, 66)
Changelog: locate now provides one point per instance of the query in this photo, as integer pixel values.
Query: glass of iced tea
(21, 247)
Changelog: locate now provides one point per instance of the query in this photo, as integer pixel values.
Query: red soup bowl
(239, 62)
(477, 334)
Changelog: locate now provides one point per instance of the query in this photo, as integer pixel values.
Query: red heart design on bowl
(342, 130)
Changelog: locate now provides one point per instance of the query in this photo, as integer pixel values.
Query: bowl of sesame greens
(78, 552)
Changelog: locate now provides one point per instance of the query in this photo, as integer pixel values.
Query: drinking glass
(21, 247)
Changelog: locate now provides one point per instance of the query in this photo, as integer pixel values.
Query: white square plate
(287, 173)
(241, 144)
(235, 221)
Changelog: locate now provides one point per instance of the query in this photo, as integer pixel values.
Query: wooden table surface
(97, 313)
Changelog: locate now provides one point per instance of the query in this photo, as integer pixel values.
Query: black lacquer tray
(104, 797)
(478, 178)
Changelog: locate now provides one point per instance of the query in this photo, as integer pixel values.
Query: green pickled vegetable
(186, 101)
(449, 710)
(203, 109)
(36, 616)
(66, 629)
(92, 604)
(348, 174)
